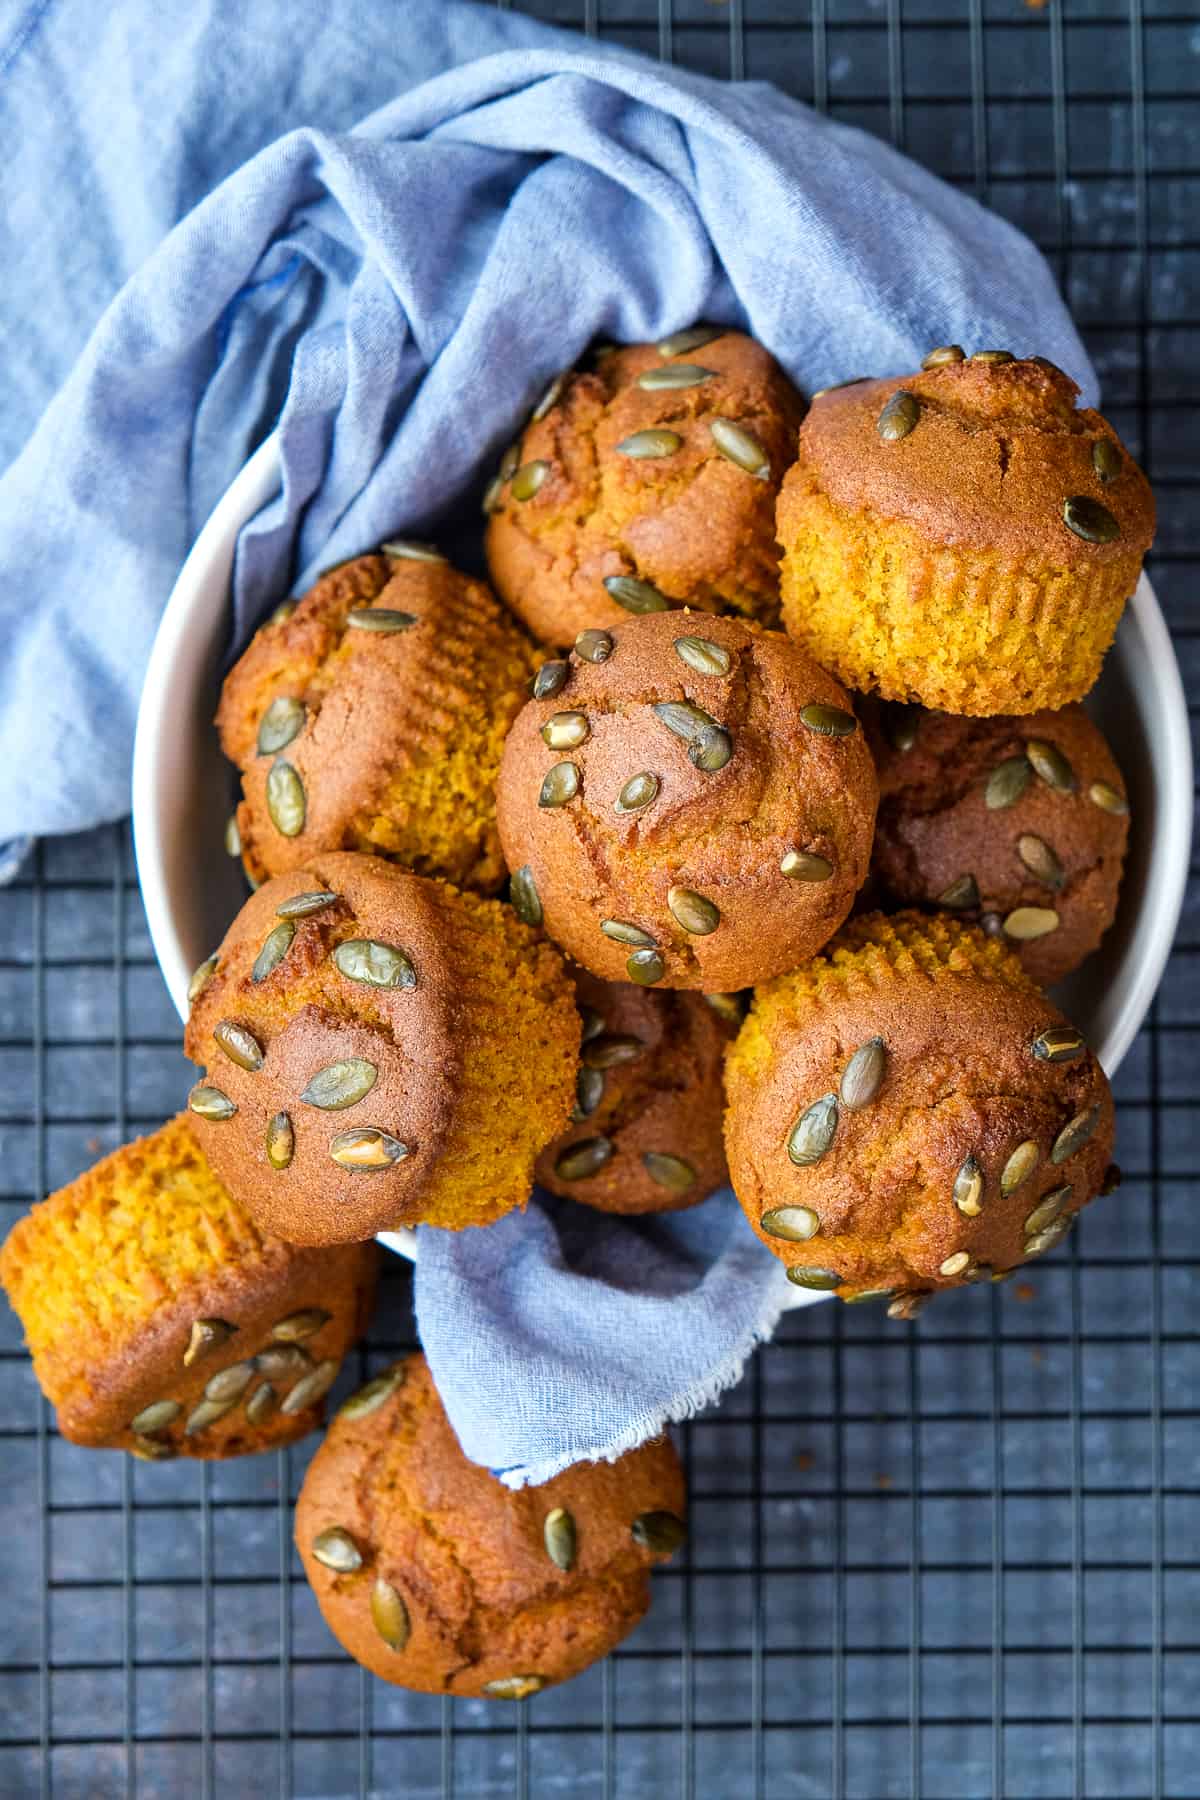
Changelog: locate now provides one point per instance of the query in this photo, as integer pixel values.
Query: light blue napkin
(393, 298)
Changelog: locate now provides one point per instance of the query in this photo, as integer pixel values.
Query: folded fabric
(392, 298)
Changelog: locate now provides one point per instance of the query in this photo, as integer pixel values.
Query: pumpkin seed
(805, 865)
(1111, 1180)
(711, 750)
(566, 730)
(523, 894)
(702, 655)
(560, 785)
(813, 1132)
(670, 1172)
(828, 721)
(899, 416)
(230, 1383)
(623, 933)
(1061, 1043)
(589, 1091)
(384, 621)
(371, 1397)
(1108, 798)
(594, 646)
(558, 1535)
(300, 1325)
(233, 837)
(283, 1362)
(389, 1614)
(1040, 860)
(1006, 783)
(210, 1103)
(287, 803)
(909, 1305)
(528, 479)
(1089, 520)
(1018, 1168)
(675, 375)
(836, 387)
(550, 398)
(239, 1045)
(276, 945)
(796, 1224)
(740, 447)
(1028, 922)
(148, 1449)
(862, 1077)
(592, 1023)
(1047, 1210)
(991, 924)
(993, 356)
(311, 1387)
(661, 1532)
(366, 1150)
(729, 1008)
(693, 338)
(301, 905)
(697, 914)
(1051, 368)
(637, 793)
(579, 1162)
(954, 1265)
(206, 1335)
(967, 1192)
(901, 724)
(823, 1281)
(412, 550)
(1075, 1135)
(155, 1417)
(645, 967)
(281, 1141)
(201, 975)
(514, 1687)
(865, 1294)
(1106, 459)
(657, 441)
(608, 1050)
(945, 353)
(284, 611)
(206, 1414)
(374, 964)
(683, 719)
(634, 595)
(492, 495)
(1051, 765)
(263, 1404)
(962, 893)
(340, 1084)
(1049, 1237)
(335, 1549)
(550, 679)
(282, 721)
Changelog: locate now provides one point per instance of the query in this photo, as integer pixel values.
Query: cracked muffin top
(438, 1578)
(645, 482)
(687, 801)
(909, 1112)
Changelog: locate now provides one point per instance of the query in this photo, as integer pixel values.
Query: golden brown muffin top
(980, 453)
(440, 1579)
(908, 1111)
(656, 799)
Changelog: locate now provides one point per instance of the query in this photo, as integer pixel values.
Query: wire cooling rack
(958, 1559)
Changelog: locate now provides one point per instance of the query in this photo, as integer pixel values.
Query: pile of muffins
(610, 884)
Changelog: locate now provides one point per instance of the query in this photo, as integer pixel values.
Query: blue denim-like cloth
(200, 243)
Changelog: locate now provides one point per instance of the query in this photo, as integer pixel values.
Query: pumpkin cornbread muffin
(687, 801)
(1019, 824)
(908, 1112)
(381, 1050)
(438, 1578)
(647, 482)
(371, 716)
(162, 1321)
(645, 1135)
(964, 537)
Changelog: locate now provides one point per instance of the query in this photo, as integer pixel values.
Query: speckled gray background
(959, 1560)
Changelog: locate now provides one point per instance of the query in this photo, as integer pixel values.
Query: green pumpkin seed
(384, 621)
(523, 894)
(822, 1281)
(374, 964)
(675, 375)
(1108, 798)
(1089, 520)
(909, 1305)
(1075, 1135)
(550, 398)
(389, 1615)
(210, 1103)
(528, 479)
(301, 905)
(311, 1387)
(514, 1687)
(370, 1398)
(276, 945)
(945, 353)
(1061, 1043)
(550, 679)
(233, 837)
(655, 442)
(282, 721)
(589, 1091)
(281, 1141)
(805, 865)
(580, 1161)
(636, 596)
(366, 1150)
(284, 610)
(693, 338)
(1047, 1210)
(561, 784)
(1006, 783)
(901, 724)
(287, 803)
(796, 1224)
(283, 1362)
(300, 1325)
(637, 793)
(201, 975)
(593, 645)
(566, 730)
(900, 415)
(828, 721)
(695, 912)
(1019, 1167)
(205, 1414)
(1028, 922)
(711, 750)
(729, 1008)
(1050, 765)
(239, 1045)
(230, 1383)
(340, 1084)
(1050, 1237)
(702, 655)
(660, 1532)
(1040, 860)
(622, 932)
(645, 967)
(863, 1075)
(1106, 459)
(962, 893)
(206, 1335)
(155, 1417)
(148, 1449)
(493, 493)
(836, 387)
(1111, 1180)
(741, 448)
(558, 1535)
(813, 1132)
(865, 1294)
(956, 1264)
(335, 1549)
(670, 1172)
(609, 1050)
(683, 719)
(263, 1404)
(993, 356)
(592, 1023)
(411, 550)
(967, 1192)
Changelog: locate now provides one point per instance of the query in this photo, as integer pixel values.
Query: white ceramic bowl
(183, 790)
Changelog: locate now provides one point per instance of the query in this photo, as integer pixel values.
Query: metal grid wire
(955, 1559)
